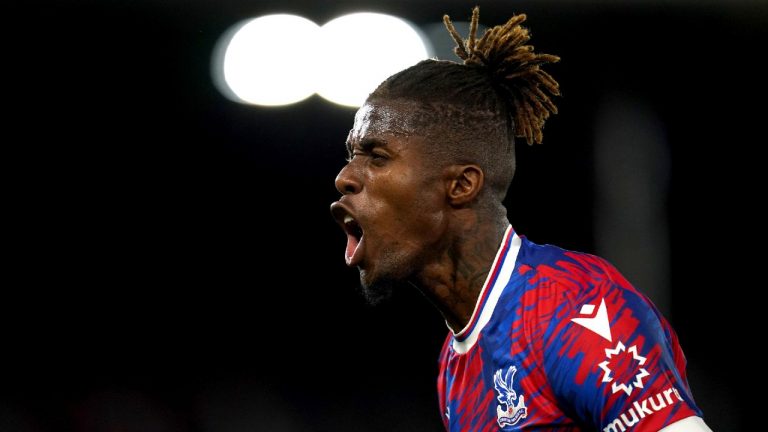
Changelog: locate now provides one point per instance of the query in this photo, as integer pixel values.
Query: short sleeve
(612, 361)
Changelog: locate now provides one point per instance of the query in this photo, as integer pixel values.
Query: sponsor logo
(629, 379)
(595, 321)
(514, 412)
(642, 409)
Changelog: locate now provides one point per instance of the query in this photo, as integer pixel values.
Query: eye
(374, 157)
(351, 155)
(378, 158)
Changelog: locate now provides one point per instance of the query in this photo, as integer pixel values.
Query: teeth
(348, 219)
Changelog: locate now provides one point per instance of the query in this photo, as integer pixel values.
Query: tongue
(352, 244)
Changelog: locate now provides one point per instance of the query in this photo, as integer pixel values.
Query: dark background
(171, 264)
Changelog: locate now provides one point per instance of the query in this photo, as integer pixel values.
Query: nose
(347, 182)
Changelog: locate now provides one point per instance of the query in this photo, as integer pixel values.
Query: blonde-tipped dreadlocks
(503, 51)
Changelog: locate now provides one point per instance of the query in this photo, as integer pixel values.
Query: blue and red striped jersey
(560, 341)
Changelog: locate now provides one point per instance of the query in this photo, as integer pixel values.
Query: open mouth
(352, 227)
(353, 255)
(354, 238)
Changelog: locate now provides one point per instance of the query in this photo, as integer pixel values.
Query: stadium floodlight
(360, 50)
(268, 60)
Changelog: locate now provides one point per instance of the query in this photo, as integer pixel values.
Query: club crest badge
(511, 408)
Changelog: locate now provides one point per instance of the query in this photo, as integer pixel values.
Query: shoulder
(570, 277)
(603, 345)
(566, 266)
(574, 297)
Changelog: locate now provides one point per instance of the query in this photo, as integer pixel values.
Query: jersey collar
(496, 281)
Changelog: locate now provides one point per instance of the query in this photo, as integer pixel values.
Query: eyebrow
(367, 144)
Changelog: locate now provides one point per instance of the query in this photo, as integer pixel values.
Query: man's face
(393, 198)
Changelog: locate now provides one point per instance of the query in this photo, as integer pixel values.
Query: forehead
(385, 119)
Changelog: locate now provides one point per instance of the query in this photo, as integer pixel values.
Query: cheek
(406, 207)
(404, 196)
(419, 211)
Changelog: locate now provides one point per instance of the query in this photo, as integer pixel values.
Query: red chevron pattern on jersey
(560, 341)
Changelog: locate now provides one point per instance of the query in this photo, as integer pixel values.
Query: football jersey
(560, 341)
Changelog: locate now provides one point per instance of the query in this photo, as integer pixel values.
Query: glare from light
(268, 60)
(360, 50)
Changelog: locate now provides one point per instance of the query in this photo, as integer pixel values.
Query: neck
(454, 279)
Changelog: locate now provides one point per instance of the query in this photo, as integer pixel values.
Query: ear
(464, 183)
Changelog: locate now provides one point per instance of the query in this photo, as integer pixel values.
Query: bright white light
(361, 50)
(269, 60)
(282, 59)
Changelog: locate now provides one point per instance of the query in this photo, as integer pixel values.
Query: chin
(376, 290)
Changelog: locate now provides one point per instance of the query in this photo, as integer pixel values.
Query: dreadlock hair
(472, 111)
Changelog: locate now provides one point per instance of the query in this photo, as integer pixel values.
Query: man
(540, 338)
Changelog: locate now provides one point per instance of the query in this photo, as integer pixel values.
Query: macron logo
(596, 322)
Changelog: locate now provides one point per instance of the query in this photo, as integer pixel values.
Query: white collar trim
(506, 258)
